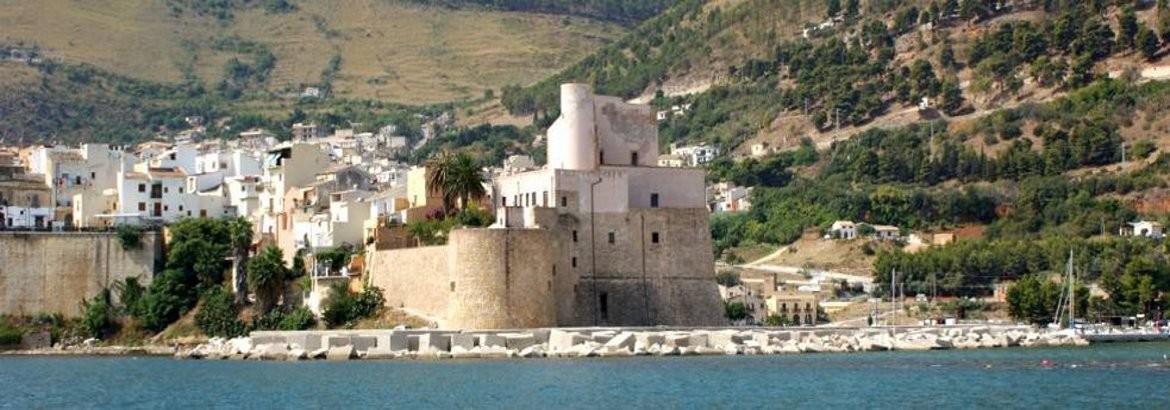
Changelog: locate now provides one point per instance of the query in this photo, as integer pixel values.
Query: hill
(395, 51)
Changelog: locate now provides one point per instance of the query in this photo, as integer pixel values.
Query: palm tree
(457, 177)
(266, 275)
(241, 236)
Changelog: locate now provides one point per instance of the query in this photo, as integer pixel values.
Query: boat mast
(1072, 295)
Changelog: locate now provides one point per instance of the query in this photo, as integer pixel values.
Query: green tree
(344, 308)
(456, 177)
(1128, 25)
(218, 314)
(727, 277)
(833, 7)
(1163, 17)
(99, 318)
(735, 311)
(952, 96)
(167, 298)
(852, 9)
(1147, 42)
(266, 276)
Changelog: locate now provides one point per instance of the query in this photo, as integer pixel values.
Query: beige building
(601, 236)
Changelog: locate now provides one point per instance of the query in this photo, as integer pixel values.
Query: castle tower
(572, 140)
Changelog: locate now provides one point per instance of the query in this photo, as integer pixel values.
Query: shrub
(735, 310)
(218, 315)
(98, 317)
(9, 336)
(130, 295)
(298, 319)
(344, 308)
(727, 277)
(166, 299)
(130, 237)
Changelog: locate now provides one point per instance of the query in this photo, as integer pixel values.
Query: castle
(601, 236)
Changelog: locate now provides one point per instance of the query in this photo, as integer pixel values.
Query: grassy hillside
(389, 50)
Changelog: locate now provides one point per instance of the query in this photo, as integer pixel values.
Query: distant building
(694, 155)
(760, 150)
(799, 308)
(843, 230)
(1147, 229)
(309, 131)
(671, 161)
(886, 232)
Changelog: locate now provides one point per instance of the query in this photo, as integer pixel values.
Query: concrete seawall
(609, 342)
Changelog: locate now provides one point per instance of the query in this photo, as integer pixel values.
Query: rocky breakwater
(614, 342)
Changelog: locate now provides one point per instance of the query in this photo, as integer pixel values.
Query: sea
(1107, 376)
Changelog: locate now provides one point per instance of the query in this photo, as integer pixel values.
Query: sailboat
(1068, 299)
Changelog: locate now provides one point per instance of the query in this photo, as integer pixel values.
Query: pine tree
(1164, 20)
(1129, 27)
(852, 9)
(833, 7)
(1147, 42)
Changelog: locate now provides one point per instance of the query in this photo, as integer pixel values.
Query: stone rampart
(43, 272)
(502, 278)
(413, 278)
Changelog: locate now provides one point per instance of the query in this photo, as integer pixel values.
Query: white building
(1147, 229)
(886, 232)
(843, 230)
(695, 155)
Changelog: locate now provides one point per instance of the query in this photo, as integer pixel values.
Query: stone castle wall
(413, 278)
(54, 272)
(644, 283)
(501, 278)
(521, 278)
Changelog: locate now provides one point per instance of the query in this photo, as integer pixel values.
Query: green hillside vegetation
(1034, 208)
(849, 75)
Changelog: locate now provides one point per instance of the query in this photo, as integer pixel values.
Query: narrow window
(574, 261)
(574, 236)
(611, 237)
(654, 237)
(92, 175)
(141, 187)
(142, 206)
(601, 157)
(603, 301)
(504, 201)
(564, 201)
(544, 199)
(654, 200)
(554, 271)
(634, 158)
(452, 286)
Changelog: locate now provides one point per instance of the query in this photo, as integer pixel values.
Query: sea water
(1099, 376)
